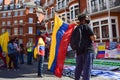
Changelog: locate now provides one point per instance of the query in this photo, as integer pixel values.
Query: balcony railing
(114, 3)
(61, 8)
(105, 5)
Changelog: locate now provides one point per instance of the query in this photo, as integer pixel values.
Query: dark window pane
(97, 32)
(114, 31)
(105, 31)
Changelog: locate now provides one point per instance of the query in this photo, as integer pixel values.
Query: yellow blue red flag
(59, 44)
(4, 38)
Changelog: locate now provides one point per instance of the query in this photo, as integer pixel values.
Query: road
(29, 72)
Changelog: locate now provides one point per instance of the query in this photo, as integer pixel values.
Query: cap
(81, 16)
(40, 9)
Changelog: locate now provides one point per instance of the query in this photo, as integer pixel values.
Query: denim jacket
(11, 49)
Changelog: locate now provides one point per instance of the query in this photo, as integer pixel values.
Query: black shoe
(41, 76)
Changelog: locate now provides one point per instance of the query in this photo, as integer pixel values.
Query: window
(0, 7)
(15, 22)
(94, 5)
(114, 28)
(16, 13)
(102, 4)
(4, 15)
(3, 23)
(68, 17)
(63, 17)
(97, 32)
(5, 7)
(1, 3)
(74, 11)
(9, 14)
(30, 39)
(52, 25)
(20, 41)
(30, 20)
(30, 30)
(21, 21)
(105, 32)
(11, 6)
(21, 13)
(31, 10)
(104, 29)
(17, 6)
(3, 30)
(9, 31)
(67, 1)
(52, 11)
(96, 29)
(21, 31)
(8, 22)
(61, 4)
(15, 31)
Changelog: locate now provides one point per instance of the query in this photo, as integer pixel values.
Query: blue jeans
(29, 57)
(17, 58)
(21, 58)
(40, 65)
(84, 64)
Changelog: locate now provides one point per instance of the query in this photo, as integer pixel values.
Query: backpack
(75, 38)
(77, 42)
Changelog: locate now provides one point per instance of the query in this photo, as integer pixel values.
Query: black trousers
(12, 59)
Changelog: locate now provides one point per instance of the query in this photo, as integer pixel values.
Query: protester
(29, 52)
(12, 54)
(84, 54)
(47, 47)
(41, 53)
(22, 54)
(17, 54)
(41, 42)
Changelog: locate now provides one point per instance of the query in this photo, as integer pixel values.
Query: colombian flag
(41, 49)
(42, 46)
(59, 44)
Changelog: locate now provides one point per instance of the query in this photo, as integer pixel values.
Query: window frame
(30, 30)
(72, 9)
(110, 32)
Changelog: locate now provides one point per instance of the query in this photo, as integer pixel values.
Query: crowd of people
(17, 52)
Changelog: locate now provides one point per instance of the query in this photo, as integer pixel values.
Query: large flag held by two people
(59, 43)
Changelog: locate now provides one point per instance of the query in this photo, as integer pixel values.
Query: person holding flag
(59, 43)
(41, 43)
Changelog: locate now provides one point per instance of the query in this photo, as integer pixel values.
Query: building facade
(67, 10)
(105, 19)
(19, 20)
(104, 15)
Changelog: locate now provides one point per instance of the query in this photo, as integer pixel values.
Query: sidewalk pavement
(29, 72)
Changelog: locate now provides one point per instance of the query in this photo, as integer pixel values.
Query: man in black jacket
(85, 54)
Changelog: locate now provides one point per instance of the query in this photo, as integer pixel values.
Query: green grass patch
(96, 62)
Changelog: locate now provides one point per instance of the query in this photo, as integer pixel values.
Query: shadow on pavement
(25, 71)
